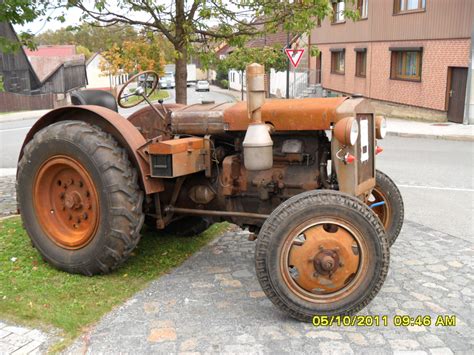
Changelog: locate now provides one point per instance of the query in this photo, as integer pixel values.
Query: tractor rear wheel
(79, 198)
(321, 253)
(391, 212)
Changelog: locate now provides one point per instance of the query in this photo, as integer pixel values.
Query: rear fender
(111, 122)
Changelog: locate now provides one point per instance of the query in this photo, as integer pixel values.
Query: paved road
(13, 133)
(213, 304)
(436, 178)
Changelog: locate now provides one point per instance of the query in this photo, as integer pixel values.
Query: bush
(224, 84)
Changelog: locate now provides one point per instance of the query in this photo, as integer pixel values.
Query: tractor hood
(288, 115)
(310, 114)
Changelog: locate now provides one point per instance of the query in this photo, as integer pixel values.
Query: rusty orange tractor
(300, 175)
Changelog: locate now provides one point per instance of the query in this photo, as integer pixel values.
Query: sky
(41, 25)
(73, 18)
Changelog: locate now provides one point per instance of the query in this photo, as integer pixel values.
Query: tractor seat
(95, 97)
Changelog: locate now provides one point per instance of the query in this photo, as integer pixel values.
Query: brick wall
(438, 55)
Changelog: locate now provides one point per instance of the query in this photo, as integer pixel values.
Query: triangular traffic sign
(294, 55)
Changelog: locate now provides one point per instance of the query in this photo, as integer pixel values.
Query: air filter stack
(258, 144)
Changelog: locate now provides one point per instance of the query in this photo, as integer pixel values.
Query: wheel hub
(322, 260)
(73, 201)
(66, 202)
(326, 262)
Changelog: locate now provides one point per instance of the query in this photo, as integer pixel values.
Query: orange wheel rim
(66, 202)
(383, 212)
(324, 260)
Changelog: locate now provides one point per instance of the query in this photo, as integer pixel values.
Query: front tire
(79, 198)
(391, 213)
(321, 253)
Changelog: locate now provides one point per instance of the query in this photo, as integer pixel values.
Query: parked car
(167, 81)
(149, 80)
(202, 85)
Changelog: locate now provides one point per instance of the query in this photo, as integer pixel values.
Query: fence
(10, 102)
(302, 80)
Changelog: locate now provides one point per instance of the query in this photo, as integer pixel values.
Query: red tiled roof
(52, 51)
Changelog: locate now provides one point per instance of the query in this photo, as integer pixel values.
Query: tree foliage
(270, 57)
(186, 23)
(133, 56)
(83, 50)
(20, 12)
(92, 36)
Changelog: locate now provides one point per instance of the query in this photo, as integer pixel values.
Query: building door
(456, 96)
(318, 68)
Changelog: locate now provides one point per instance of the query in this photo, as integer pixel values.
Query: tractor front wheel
(79, 198)
(388, 205)
(321, 253)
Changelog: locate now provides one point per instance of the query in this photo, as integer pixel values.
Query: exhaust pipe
(258, 144)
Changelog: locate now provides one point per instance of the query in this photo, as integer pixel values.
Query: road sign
(294, 55)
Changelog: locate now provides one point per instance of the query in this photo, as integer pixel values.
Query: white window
(339, 11)
(363, 6)
(409, 5)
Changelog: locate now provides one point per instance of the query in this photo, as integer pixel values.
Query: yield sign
(294, 55)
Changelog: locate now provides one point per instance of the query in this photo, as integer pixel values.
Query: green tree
(92, 36)
(83, 50)
(2, 88)
(186, 23)
(20, 12)
(97, 38)
(272, 57)
(132, 57)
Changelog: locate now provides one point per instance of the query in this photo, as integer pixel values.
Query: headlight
(380, 127)
(346, 131)
(354, 132)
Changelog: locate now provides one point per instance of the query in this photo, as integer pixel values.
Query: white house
(99, 79)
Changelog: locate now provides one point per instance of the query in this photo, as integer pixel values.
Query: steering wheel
(137, 89)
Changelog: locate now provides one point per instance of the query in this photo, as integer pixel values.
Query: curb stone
(432, 136)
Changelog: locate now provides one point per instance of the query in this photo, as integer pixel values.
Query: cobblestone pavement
(7, 195)
(21, 340)
(213, 303)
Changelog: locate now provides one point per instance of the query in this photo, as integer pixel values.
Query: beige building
(98, 79)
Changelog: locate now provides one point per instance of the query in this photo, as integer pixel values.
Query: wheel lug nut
(84, 215)
(81, 184)
(61, 195)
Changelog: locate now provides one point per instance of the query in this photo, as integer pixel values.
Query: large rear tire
(79, 198)
(321, 253)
